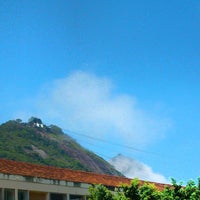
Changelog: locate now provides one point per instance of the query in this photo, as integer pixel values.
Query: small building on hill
(36, 122)
(26, 181)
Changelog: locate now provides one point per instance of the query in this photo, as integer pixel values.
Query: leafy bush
(147, 191)
(100, 192)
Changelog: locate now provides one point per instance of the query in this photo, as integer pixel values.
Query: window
(9, 194)
(76, 184)
(54, 196)
(22, 195)
(1, 195)
(76, 197)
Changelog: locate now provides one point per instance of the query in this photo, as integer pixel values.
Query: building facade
(15, 187)
(26, 181)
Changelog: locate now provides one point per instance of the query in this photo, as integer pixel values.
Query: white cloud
(86, 103)
(134, 169)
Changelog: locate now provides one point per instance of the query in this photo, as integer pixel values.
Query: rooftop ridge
(56, 168)
(50, 172)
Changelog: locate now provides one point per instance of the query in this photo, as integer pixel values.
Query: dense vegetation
(35, 142)
(147, 191)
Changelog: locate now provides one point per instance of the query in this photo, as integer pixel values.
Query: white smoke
(134, 169)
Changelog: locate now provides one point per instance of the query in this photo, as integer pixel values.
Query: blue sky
(126, 71)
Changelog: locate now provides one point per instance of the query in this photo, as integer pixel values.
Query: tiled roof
(49, 172)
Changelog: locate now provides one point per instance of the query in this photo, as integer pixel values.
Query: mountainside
(35, 142)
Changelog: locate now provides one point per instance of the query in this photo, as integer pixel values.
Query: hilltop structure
(36, 122)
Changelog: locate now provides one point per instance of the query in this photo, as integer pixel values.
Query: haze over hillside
(132, 168)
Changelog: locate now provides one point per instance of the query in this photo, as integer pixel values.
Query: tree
(131, 191)
(18, 121)
(149, 192)
(100, 192)
(178, 192)
(56, 130)
(146, 191)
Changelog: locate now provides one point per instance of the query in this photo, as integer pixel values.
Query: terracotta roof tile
(49, 172)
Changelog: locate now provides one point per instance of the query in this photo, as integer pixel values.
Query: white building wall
(47, 186)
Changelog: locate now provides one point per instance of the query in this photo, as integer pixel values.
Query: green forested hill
(37, 143)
